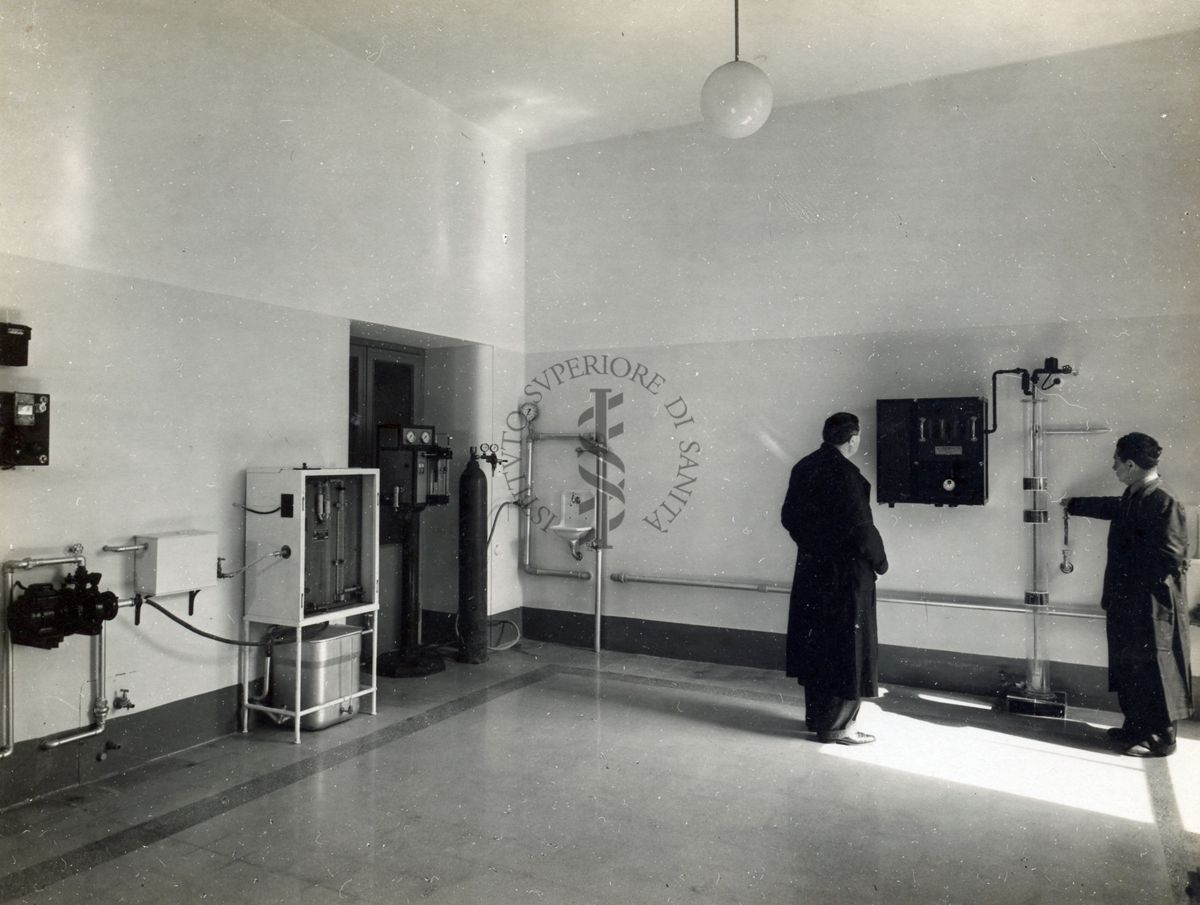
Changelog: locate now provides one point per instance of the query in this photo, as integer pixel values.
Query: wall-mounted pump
(44, 615)
(932, 451)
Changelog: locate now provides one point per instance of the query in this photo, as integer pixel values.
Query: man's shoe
(854, 738)
(1159, 744)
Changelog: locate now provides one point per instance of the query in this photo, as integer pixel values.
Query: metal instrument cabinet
(312, 556)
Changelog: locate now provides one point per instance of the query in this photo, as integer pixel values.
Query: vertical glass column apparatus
(1036, 517)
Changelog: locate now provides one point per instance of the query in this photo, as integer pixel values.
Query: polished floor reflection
(551, 775)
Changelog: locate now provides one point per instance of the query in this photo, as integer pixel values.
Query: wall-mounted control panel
(932, 451)
(24, 429)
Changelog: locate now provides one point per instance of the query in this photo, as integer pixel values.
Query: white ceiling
(548, 73)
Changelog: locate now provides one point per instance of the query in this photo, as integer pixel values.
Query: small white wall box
(176, 562)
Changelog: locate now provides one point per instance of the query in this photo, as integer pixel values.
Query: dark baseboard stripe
(127, 742)
(979, 674)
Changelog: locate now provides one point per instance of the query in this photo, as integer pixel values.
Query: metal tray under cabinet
(329, 668)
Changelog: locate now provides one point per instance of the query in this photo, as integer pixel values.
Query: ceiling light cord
(735, 30)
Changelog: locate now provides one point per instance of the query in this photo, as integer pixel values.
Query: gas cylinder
(472, 563)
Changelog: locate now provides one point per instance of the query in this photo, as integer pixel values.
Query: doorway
(386, 384)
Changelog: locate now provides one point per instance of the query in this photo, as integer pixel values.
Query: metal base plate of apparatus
(1053, 705)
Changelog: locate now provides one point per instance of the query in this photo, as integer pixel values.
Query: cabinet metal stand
(297, 711)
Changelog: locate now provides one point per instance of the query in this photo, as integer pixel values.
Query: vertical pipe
(296, 690)
(526, 523)
(601, 516)
(6, 700)
(599, 594)
(1037, 595)
(244, 664)
(339, 545)
(372, 622)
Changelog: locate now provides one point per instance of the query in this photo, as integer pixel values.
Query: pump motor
(44, 615)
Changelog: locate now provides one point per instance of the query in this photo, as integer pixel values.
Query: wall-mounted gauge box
(14, 345)
(932, 451)
(24, 429)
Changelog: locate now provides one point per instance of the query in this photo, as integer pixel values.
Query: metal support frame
(297, 710)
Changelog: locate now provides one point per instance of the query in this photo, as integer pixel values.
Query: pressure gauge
(529, 411)
(948, 484)
(410, 435)
(426, 437)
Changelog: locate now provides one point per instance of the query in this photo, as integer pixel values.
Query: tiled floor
(550, 775)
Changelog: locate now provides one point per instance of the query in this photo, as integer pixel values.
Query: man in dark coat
(832, 641)
(1145, 599)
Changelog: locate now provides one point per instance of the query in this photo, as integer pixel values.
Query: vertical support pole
(372, 622)
(299, 672)
(6, 650)
(244, 669)
(1037, 516)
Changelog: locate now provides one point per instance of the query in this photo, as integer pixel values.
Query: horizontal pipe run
(1068, 430)
(762, 587)
(125, 548)
(564, 435)
(13, 565)
(558, 573)
(49, 744)
(777, 588)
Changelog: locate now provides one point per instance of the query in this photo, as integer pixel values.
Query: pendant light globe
(736, 99)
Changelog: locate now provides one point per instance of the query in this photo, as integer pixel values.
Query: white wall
(160, 398)
(221, 147)
(467, 390)
(1052, 191)
(198, 199)
(905, 242)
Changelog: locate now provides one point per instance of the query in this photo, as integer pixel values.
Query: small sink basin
(572, 533)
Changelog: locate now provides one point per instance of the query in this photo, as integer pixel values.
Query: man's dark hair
(1140, 449)
(839, 427)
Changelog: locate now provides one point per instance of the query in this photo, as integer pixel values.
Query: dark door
(385, 383)
(385, 386)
